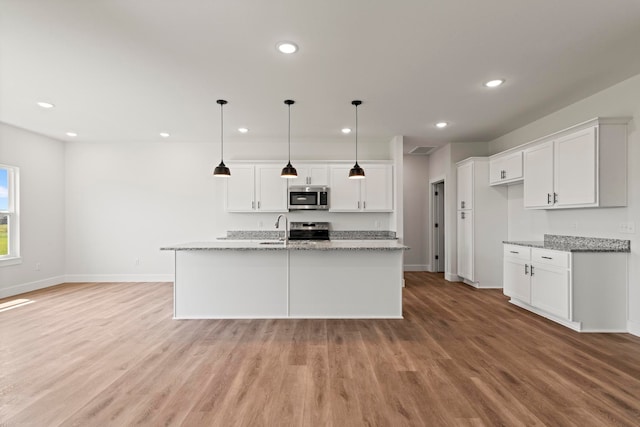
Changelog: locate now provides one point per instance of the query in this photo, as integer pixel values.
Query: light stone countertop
(576, 244)
(299, 245)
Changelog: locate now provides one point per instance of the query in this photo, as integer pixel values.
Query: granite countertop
(576, 244)
(299, 245)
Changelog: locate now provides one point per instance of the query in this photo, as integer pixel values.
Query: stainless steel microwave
(308, 198)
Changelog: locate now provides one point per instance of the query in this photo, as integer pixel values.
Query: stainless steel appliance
(309, 231)
(308, 198)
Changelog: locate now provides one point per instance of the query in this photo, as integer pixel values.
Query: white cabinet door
(318, 175)
(271, 189)
(516, 279)
(465, 186)
(538, 176)
(311, 175)
(506, 168)
(377, 188)
(345, 192)
(465, 245)
(575, 168)
(239, 189)
(550, 289)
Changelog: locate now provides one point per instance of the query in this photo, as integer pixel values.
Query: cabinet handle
(547, 257)
(532, 270)
(358, 205)
(548, 198)
(526, 269)
(258, 204)
(555, 197)
(461, 215)
(364, 205)
(514, 252)
(253, 204)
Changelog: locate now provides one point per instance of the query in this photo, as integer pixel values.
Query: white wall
(42, 241)
(125, 201)
(622, 99)
(416, 212)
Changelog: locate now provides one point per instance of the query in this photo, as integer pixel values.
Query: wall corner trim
(633, 327)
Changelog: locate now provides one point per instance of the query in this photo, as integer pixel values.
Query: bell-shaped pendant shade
(221, 170)
(356, 171)
(289, 171)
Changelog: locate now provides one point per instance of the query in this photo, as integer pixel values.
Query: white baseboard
(450, 277)
(633, 327)
(31, 286)
(79, 278)
(417, 267)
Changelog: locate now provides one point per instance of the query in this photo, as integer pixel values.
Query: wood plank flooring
(111, 355)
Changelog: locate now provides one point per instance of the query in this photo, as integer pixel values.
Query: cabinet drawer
(518, 252)
(548, 257)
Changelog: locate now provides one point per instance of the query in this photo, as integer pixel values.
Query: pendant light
(289, 171)
(356, 171)
(221, 170)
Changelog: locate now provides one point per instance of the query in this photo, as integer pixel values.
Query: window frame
(13, 214)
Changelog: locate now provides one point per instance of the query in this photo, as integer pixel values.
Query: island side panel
(231, 284)
(345, 284)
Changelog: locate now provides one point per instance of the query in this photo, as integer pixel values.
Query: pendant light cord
(289, 138)
(221, 134)
(356, 134)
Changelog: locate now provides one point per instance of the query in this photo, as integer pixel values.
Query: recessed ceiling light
(494, 83)
(442, 125)
(165, 134)
(45, 104)
(243, 130)
(287, 47)
(346, 130)
(73, 134)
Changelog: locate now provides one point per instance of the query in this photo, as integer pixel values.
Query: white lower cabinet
(585, 291)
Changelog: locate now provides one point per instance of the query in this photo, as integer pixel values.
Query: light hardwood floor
(110, 354)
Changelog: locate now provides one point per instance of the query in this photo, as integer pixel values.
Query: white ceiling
(125, 70)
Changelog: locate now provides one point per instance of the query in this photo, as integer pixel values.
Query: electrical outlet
(574, 225)
(260, 224)
(37, 266)
(627, 227)
(137, 261)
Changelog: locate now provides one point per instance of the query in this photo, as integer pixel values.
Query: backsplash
(334, 235)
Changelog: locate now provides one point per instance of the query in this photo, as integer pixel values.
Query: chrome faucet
(286, 227)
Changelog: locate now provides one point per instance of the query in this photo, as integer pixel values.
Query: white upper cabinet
(505, 168)
(311, 174)
(465, 186)
(585, 166)
(271, 189)
(538, 181)
(574, 169)
(239, 188)
(372, 194)
(252, 188)
(377, 188)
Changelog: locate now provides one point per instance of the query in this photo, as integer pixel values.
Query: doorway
(437, 226)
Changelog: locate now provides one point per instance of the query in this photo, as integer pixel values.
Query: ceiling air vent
(422, 150)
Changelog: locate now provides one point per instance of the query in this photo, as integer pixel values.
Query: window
(9, 220)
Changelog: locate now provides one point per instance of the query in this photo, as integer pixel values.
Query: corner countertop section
(576, 244)
(278, 245)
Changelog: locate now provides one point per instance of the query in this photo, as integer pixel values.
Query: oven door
(303, 200)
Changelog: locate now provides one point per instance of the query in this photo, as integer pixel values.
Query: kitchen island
(247, 279)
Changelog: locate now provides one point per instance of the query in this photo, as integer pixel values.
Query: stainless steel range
(309, 231)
